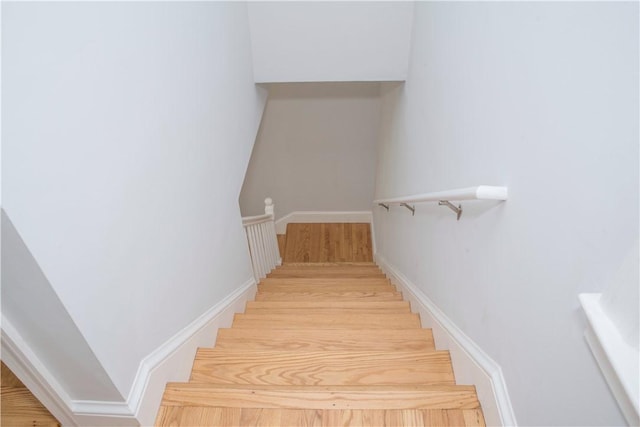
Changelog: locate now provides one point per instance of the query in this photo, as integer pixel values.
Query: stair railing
(444, 198)
(262, 240)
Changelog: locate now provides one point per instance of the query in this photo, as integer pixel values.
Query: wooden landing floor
(334, 242)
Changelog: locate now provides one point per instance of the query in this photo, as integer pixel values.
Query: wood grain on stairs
(325, 345)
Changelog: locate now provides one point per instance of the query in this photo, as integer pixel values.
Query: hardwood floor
(18, 406)
(334, 242)
(322, 345)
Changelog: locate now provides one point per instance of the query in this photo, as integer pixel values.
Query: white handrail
(251, 220)
(480, 192)
(444, 198)
(263, 241)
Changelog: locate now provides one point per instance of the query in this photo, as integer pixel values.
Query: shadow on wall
(34, 311)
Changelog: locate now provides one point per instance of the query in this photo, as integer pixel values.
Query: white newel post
(268, 206)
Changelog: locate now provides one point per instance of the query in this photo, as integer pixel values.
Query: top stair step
(318, 271)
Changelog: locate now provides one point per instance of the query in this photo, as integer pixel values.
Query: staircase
(326, 344)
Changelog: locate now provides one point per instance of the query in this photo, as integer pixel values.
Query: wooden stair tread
(327, 304)
(322, 368)
(314, 320)
(276, 287)
(274, 307)
(210, 416)
(345, 264)
(303, 295)
(327, 307)
(303, 281)
(301, 274)
(325, 339)
(322, 397)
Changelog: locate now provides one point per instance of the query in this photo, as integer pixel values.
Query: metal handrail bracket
(411, 208)
(456, 209)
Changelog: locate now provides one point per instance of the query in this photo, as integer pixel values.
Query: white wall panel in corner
(330, 41)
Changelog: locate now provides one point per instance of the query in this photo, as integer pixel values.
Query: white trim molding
(471, 364)
(171, 361)
(617, 359)
(322, 217)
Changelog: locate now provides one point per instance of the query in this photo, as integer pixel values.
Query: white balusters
(263, 241)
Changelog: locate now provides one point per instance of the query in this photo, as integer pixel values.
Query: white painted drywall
(127, 129)
(620, 298)
(330, 41)
(542, 98)
(315, 150)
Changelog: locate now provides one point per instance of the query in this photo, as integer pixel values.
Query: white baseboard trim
(471, 364)
(324, 217)
(172, 361)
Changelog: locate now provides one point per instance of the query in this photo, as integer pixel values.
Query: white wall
(542, 98)
(127, 129)
(330, 41)
(315, 150)
(620, 298)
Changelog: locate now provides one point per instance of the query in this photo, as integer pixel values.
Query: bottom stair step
(321, 397)
(215, 416)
